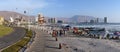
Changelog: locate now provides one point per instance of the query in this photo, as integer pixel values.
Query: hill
(82, 18)
(79, 18)
(8, 14)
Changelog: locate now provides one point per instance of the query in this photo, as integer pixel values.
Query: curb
(29, 43)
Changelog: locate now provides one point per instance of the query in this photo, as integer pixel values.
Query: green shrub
(29, 33)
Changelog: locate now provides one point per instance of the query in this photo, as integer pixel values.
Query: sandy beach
(82, 44)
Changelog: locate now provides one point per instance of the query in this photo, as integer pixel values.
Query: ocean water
(106, 26)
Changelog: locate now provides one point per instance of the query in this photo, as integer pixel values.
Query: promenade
(43, 42)
(71, 43)
(12, 38)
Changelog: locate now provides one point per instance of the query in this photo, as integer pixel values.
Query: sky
(65, 8)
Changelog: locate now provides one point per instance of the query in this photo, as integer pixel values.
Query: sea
(112, 26)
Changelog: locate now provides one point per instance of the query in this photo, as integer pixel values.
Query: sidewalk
(44, 42)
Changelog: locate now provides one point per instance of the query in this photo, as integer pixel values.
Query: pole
(56, 39)
(60, 46)
(28, 21)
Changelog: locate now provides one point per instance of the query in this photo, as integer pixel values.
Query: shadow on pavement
(51, 47)
(47, 36)
(50, 40)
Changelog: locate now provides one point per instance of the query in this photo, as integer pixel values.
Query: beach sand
(82, 44)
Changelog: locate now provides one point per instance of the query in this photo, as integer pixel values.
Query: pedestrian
(64, 32)
(53, 33)
(56, 32)
(60, 32)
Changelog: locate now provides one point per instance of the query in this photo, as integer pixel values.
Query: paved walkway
(43, 43)
(12, 38)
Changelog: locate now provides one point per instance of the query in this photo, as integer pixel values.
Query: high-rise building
(105, 19)
(52, 20)
(48, 20)
(97, 20)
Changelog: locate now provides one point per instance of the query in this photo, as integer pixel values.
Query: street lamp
(28, 21)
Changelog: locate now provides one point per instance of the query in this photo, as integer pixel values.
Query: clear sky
(66, 8)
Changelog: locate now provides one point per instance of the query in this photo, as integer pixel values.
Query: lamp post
(28, 21)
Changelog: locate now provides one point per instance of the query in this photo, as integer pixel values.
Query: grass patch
(5, 30)
(28, 33)
(20, 44)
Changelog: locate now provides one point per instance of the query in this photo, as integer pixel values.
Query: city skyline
(65, 8)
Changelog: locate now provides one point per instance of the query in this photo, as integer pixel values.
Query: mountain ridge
(80, 18)
(75, 18)
(8, 14)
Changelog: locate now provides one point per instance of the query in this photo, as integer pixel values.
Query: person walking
(54, 34)
(64, 32)
(60, 33)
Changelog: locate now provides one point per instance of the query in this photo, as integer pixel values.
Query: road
(12, 38)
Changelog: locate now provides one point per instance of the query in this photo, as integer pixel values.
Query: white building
(1, 20)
